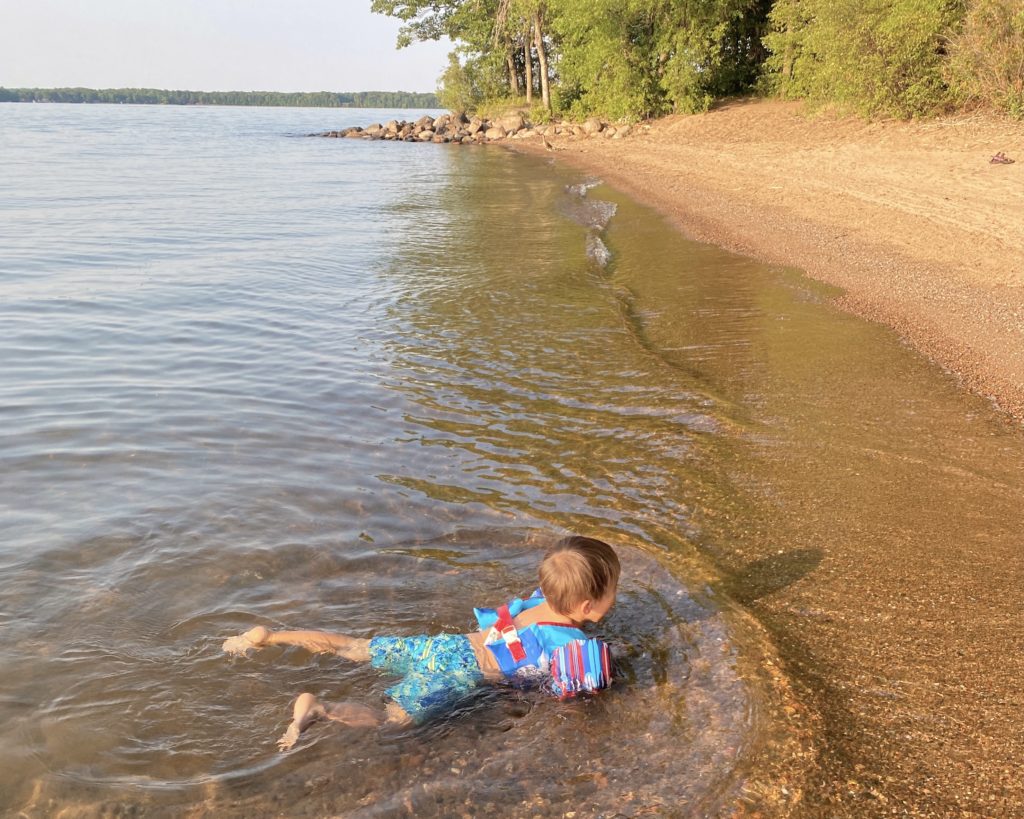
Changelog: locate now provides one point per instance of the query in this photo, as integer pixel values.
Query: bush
(872, 56)
(986, 63)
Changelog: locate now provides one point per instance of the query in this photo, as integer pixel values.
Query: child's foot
(243, 643)
(307, 710)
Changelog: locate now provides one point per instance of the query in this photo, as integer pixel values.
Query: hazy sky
(210, 45)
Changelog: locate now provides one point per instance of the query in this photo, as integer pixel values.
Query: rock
(474, 126)
(354, 133)
(511, 123)
(424, 122)
(577, 130)
(392, 126)
(460, 118)
(593, 126)
(426, 135)
(467, 140)
(374, 129)
(495, 132)
(441, 123)
(622, 131)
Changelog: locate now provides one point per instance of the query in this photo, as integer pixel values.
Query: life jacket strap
(507, 629)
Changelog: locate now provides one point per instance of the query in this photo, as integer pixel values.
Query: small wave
(593, 214)
(581, 188)
(597, 250)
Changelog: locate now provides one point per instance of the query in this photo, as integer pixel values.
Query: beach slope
(910, 219)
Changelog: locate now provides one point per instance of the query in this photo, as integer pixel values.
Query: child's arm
(319, 642)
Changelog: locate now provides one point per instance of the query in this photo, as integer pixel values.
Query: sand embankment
(911, 219)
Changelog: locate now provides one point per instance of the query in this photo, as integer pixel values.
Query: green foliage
(872, 56)
(155, 96)
(539, 115)
(457, 88)
(633, 58)
(987, 57)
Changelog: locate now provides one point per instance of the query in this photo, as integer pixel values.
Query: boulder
(474, 126)
(459, 118)
(495, 132)
(441, 123)
(577, 131)
(354, 133)
(392, 126)
(374, 129)
(511, 123)
(622, 131)
(426, 135)
(424, 122)
(593, 126)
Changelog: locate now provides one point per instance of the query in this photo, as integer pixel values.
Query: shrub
(986, 63)
(873, 56)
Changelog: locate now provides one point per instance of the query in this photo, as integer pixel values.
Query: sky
(210, 45)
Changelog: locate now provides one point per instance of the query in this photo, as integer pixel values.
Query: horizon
(212, 46)
(210, 90)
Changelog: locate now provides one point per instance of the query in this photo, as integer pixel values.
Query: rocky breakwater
(464, 130)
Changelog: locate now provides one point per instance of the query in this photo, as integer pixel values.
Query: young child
(537, 638)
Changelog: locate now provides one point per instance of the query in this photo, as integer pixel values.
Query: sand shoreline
(904, 643)
(911, 220)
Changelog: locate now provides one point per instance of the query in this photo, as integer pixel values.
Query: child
(537, 638)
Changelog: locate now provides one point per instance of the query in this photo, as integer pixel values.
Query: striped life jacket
(534, 652)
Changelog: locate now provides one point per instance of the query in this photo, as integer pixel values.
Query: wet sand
(905, 640)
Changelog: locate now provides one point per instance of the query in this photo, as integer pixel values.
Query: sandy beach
(906, 642)
(912, 220)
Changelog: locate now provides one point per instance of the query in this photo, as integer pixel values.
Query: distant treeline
(156, 96)
(639, 58)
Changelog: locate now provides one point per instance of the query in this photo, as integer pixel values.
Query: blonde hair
(577, 569)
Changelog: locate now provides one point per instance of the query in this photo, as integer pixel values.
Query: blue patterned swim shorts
(438, 670)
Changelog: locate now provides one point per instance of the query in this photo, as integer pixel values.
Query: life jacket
(574, 662)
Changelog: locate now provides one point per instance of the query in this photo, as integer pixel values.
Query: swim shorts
(438, 670)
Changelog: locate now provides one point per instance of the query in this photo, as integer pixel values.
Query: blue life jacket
(574, 662)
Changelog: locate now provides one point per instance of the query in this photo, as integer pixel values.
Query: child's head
(578, 577)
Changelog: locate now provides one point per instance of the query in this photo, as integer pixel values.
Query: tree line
(640, 58)
(156, 96)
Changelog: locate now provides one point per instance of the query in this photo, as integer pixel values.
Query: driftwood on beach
(461, 129)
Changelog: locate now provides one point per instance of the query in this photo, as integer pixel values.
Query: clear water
(248, 376)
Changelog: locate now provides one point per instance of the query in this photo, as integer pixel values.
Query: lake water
(248, 376)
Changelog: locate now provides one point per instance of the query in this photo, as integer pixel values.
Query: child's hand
(243, 643)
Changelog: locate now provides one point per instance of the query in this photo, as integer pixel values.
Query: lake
(252, 377)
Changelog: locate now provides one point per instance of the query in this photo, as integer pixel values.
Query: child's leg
(351, 648)
(308, 709)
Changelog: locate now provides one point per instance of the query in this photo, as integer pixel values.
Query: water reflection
(375, 433)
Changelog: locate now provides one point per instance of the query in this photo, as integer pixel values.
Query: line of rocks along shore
(458, 128)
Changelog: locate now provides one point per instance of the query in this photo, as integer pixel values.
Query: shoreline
(909, 219)
(900, 641)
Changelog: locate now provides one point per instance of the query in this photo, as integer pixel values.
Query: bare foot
(306, 711)
(243, 643)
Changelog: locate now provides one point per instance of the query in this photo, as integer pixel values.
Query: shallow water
(252, 377)
(249, 376)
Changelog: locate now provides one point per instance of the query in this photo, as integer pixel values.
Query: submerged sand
(925, 235)
(911, 219)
